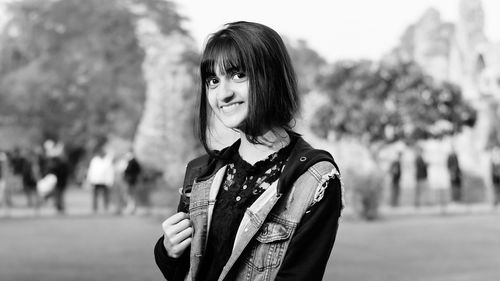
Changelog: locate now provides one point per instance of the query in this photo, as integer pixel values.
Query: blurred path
(78, 203)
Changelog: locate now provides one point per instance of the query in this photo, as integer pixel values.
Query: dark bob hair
(259, 52)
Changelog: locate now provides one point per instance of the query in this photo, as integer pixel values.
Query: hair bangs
(224, 53)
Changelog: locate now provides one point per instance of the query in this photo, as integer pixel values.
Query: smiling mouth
(230, 107)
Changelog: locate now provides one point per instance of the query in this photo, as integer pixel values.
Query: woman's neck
(272, 141)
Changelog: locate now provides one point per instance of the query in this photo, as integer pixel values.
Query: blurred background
(404, 94)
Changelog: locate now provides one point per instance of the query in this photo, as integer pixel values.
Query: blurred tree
(308, 64)
(73, 68)
(381, 103)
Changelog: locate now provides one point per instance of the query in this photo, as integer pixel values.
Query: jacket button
(265, 231)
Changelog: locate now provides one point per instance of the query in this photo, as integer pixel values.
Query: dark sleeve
(173, 269)
(312, 243)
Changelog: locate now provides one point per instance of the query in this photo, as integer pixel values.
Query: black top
(454, 168)
(132, 171)
(421, 168)
(27, 174)
(395, 171)
(242, 185)
(59, 168)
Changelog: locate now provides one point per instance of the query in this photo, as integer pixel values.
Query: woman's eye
(212, 82)
(239, 76)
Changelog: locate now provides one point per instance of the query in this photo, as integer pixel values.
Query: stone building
(461, 53)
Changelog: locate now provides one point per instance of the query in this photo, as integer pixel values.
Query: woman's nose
(226, 92)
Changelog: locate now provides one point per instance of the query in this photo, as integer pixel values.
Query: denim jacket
(269, 224)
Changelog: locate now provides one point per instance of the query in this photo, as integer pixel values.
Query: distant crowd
(44, 174)
(455, 176)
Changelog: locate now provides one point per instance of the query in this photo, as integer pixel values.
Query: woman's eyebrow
(231, 70)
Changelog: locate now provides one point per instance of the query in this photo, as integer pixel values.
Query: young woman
(267, 207)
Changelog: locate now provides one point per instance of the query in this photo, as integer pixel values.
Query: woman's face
(227, 95)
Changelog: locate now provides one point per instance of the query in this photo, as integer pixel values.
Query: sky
(336, 29)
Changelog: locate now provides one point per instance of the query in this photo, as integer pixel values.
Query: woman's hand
(177, 237)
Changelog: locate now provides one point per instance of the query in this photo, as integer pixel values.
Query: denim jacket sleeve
(312, 243)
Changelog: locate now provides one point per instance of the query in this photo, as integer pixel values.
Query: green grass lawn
(108, 248)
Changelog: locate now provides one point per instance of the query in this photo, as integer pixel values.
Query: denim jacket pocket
(267, 249)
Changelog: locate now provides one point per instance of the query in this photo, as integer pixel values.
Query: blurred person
(58, 166)
(120, 186)
(101, 176)
(53, 148)
(15, 163)
(5, 198)
(495, 174)
(421, 178)
(268, 206)
(41, 160)
(29, 179)
(131, 176)
(395, 173)
(455, 174)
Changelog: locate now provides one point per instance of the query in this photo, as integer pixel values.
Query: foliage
(367, 192)
(163, 12)
(381, 103)
(72, 68)
(307, 63)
